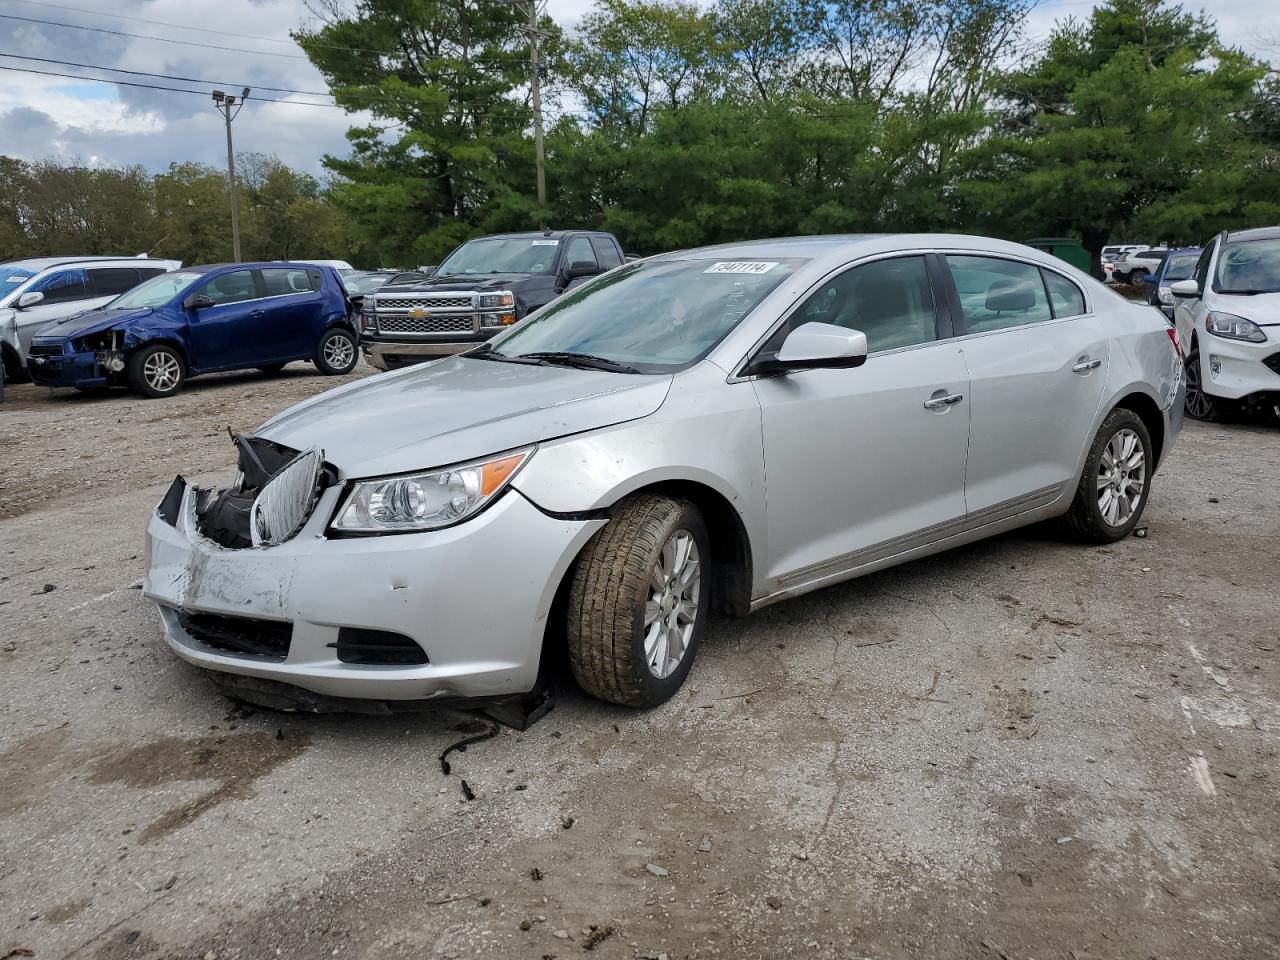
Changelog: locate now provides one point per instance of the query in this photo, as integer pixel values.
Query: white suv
(35, 293)
(1135, 264)
(1228, 316)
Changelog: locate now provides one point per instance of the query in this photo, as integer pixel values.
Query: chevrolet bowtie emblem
(417, 312)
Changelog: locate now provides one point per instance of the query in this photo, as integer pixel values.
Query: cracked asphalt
(1020, 749)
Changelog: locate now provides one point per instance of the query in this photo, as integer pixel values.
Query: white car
(1113, 253)
(35, 293)
(1228, 315)
(1135, 264)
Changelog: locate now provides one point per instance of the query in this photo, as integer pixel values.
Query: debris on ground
(47, 588)
(656, 870)
(561, 934)
(567, 822)
(775, 903)
(1140, 533)
(461, 746)
(704, 845)
(597, 936)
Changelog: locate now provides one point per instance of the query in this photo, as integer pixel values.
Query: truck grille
(455, 324)
(430, 303)
(45, 350)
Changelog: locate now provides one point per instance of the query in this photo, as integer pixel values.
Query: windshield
(12, 278)
(1249, 266)
(502, 255)
(655, 316)
(155, 292)
(1180, 267)
(365, 284)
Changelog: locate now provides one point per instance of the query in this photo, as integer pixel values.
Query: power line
(203, 93)
(215, 46)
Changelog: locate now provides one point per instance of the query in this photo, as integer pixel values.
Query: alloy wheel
(671, 610)
(1199, 406)
(1122, 476)
(338, 352)
(162, 371)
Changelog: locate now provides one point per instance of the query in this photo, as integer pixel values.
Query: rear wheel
(336, 352)
(157, 370)
(638, 602)
(1116, 481)
(1199, 405)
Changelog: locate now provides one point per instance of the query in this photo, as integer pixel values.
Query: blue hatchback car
(198, 320)
(1179, 264)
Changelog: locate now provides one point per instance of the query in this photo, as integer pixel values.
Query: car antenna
(546, 231)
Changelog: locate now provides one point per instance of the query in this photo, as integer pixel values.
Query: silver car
(725, 427)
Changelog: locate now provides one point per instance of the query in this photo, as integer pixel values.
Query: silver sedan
(717, 428)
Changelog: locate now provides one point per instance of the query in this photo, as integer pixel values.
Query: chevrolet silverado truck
(485, 285)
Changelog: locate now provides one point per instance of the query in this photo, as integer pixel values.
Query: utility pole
(535, 88)
(224, 104)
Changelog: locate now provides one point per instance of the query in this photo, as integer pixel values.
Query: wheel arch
(132, 346)
(1152, 417)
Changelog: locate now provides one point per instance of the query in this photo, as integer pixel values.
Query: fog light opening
(1215, 365)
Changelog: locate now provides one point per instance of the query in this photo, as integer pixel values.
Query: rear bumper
(475, 597)
(1239, 370)
(67, 370)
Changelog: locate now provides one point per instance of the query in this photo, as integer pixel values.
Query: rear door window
(282, 281)
(997, 294)
(1064, 296)
(63, 287)
(112, 281)
(606, 252)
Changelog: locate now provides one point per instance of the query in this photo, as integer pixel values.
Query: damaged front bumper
(457, 613)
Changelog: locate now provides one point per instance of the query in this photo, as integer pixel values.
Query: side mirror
(197, 301)
(581, 268)
(814, 346)
(29, 299)
(1185, 289)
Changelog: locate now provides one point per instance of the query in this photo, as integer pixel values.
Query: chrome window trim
(1088, 301)
(737, 376)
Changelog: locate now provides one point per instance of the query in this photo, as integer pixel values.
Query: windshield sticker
(15, 279)
(545, 243)
(741, 266)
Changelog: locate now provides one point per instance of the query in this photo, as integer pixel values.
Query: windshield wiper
(585, 361)
(1246, 293)
(488, 353)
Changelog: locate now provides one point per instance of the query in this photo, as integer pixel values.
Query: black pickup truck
(483, 286)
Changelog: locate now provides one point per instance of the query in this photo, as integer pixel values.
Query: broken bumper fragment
(456, 613)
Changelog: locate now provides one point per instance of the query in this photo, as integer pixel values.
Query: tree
(446, 77)
(1123, 114)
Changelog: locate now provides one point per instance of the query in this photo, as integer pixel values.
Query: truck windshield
(502, 255)
(155, 292)
(1249, 266)
(656, 316)
(11, 279)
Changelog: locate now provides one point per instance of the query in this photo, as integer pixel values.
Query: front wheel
(1199, 405)
(155, 371)
(336, 352)
(1116, 481)
(638, 602)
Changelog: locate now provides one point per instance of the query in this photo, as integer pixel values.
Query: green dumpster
(1064, 248)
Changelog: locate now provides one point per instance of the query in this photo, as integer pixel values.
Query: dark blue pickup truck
(200, 320)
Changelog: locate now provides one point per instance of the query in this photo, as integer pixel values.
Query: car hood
(458, 409)
(459, 281)
(1262, 308)
(90, 321)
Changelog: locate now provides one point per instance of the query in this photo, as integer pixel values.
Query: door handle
(1084, 366)
(938, 403)
(257, 313)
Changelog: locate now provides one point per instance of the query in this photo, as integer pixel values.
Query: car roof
(44, 263)
(541, 235)
(1257, 233)
(253, 265)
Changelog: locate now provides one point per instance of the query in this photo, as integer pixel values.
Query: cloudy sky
(48, 116)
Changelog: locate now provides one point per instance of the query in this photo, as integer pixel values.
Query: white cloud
(49, 116)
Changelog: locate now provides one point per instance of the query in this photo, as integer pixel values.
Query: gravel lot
(1020, 749)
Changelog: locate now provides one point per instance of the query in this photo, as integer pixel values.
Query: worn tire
(1084, 521)
(332, 341)
(142, 364)
(607, 597)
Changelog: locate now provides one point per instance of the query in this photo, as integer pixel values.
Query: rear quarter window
(1065, 297)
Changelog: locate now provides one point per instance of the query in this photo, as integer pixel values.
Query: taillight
(1173, 338)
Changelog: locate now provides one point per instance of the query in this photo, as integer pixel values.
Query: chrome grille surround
(428, 301)
(447, 313)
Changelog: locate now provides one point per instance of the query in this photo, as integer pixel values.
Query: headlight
(1166, 295)
(426, 501)
(1234, 328)
(491, 301)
